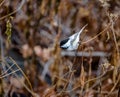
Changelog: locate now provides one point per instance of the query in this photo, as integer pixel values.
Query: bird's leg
(79, 42)
(75, 53)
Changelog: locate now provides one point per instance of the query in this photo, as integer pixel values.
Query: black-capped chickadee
(72, 42)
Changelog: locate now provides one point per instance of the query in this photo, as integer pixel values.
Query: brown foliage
(37, 28)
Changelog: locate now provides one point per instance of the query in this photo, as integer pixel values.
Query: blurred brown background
(30, 33)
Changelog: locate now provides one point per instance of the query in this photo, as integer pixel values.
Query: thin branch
(21, 4)
(2, 50)
(46, 68)
(113, 88)
(7, 70)
(96, 35)
(2, 3)
(115, 39)
(22, 72)
(26, 87)
(96, 78)
(9, 73)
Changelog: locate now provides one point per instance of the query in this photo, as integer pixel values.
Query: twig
(90, 80)
(113, 31)
(97, 83)
(9, 73)
(96, 35)
(118, 80)
(26, 87)
(7, 70)
(90, 70)
(22, 2)
(105, 92)
(67, 82)
(2, 3)
(46, 68)
(62, 79)
(2, 50)
(22, 72)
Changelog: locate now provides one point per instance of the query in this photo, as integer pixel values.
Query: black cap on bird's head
(64, 42)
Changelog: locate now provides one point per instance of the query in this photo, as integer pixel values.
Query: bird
(71, 43)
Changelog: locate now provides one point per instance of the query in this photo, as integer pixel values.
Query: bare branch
(85, 54)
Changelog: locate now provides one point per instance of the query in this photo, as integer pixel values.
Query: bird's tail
(78, 36)
(82, 29)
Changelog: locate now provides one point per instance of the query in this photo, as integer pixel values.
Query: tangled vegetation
(32, 64)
